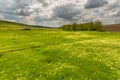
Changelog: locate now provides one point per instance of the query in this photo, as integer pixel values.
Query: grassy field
(47, 54)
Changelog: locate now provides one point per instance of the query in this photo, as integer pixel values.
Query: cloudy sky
(58, 12)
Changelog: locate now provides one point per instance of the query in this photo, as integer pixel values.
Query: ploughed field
(51, 54)
(112, 28)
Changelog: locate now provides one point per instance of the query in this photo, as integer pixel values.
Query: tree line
(90, 26)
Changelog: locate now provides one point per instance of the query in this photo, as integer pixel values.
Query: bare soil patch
(112, 28)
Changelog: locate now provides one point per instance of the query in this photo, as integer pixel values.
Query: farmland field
(50, 54)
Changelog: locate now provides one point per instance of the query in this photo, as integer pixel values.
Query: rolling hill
(15, 25)
(12, 25)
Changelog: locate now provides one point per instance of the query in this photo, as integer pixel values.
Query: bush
(91, 26)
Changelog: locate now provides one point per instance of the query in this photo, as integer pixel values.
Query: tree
(98, 25)
(91, 26)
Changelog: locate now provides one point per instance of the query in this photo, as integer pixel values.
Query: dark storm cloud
(67, 11)
(95, 3)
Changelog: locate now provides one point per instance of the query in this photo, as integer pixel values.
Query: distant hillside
(14, 25)
(11, 25)
(112, 27)
(36, 26)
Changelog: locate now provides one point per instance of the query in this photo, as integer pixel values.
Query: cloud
(95, 4)
(67, 11)
(16, 7)
(113, 8)
(22, 8)
(1, 17)
(59, 12)
(43, 2)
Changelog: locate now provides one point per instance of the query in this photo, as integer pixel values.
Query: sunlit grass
(59, 55)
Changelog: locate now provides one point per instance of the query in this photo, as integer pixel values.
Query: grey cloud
(20, 4)
(113, 8)
(67, 11)
(23, 12)
(11, 17)
(117, 13)
(43, 2)
(113, 5)
(21, 8)
(16, 7)
(40, 18)
(95, 3)
(4, 4)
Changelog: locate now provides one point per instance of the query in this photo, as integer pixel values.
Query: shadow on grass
(1, 55)
(76, 68)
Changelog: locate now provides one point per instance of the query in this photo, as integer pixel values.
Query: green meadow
(53, 54)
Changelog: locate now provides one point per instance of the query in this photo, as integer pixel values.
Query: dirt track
(112, 28)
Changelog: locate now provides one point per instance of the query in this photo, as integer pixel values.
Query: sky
(54, 13)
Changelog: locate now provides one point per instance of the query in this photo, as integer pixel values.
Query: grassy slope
(11, 25)
(59, 55)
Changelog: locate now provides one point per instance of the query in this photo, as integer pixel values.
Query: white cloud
(59, 12)
(1, 17)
